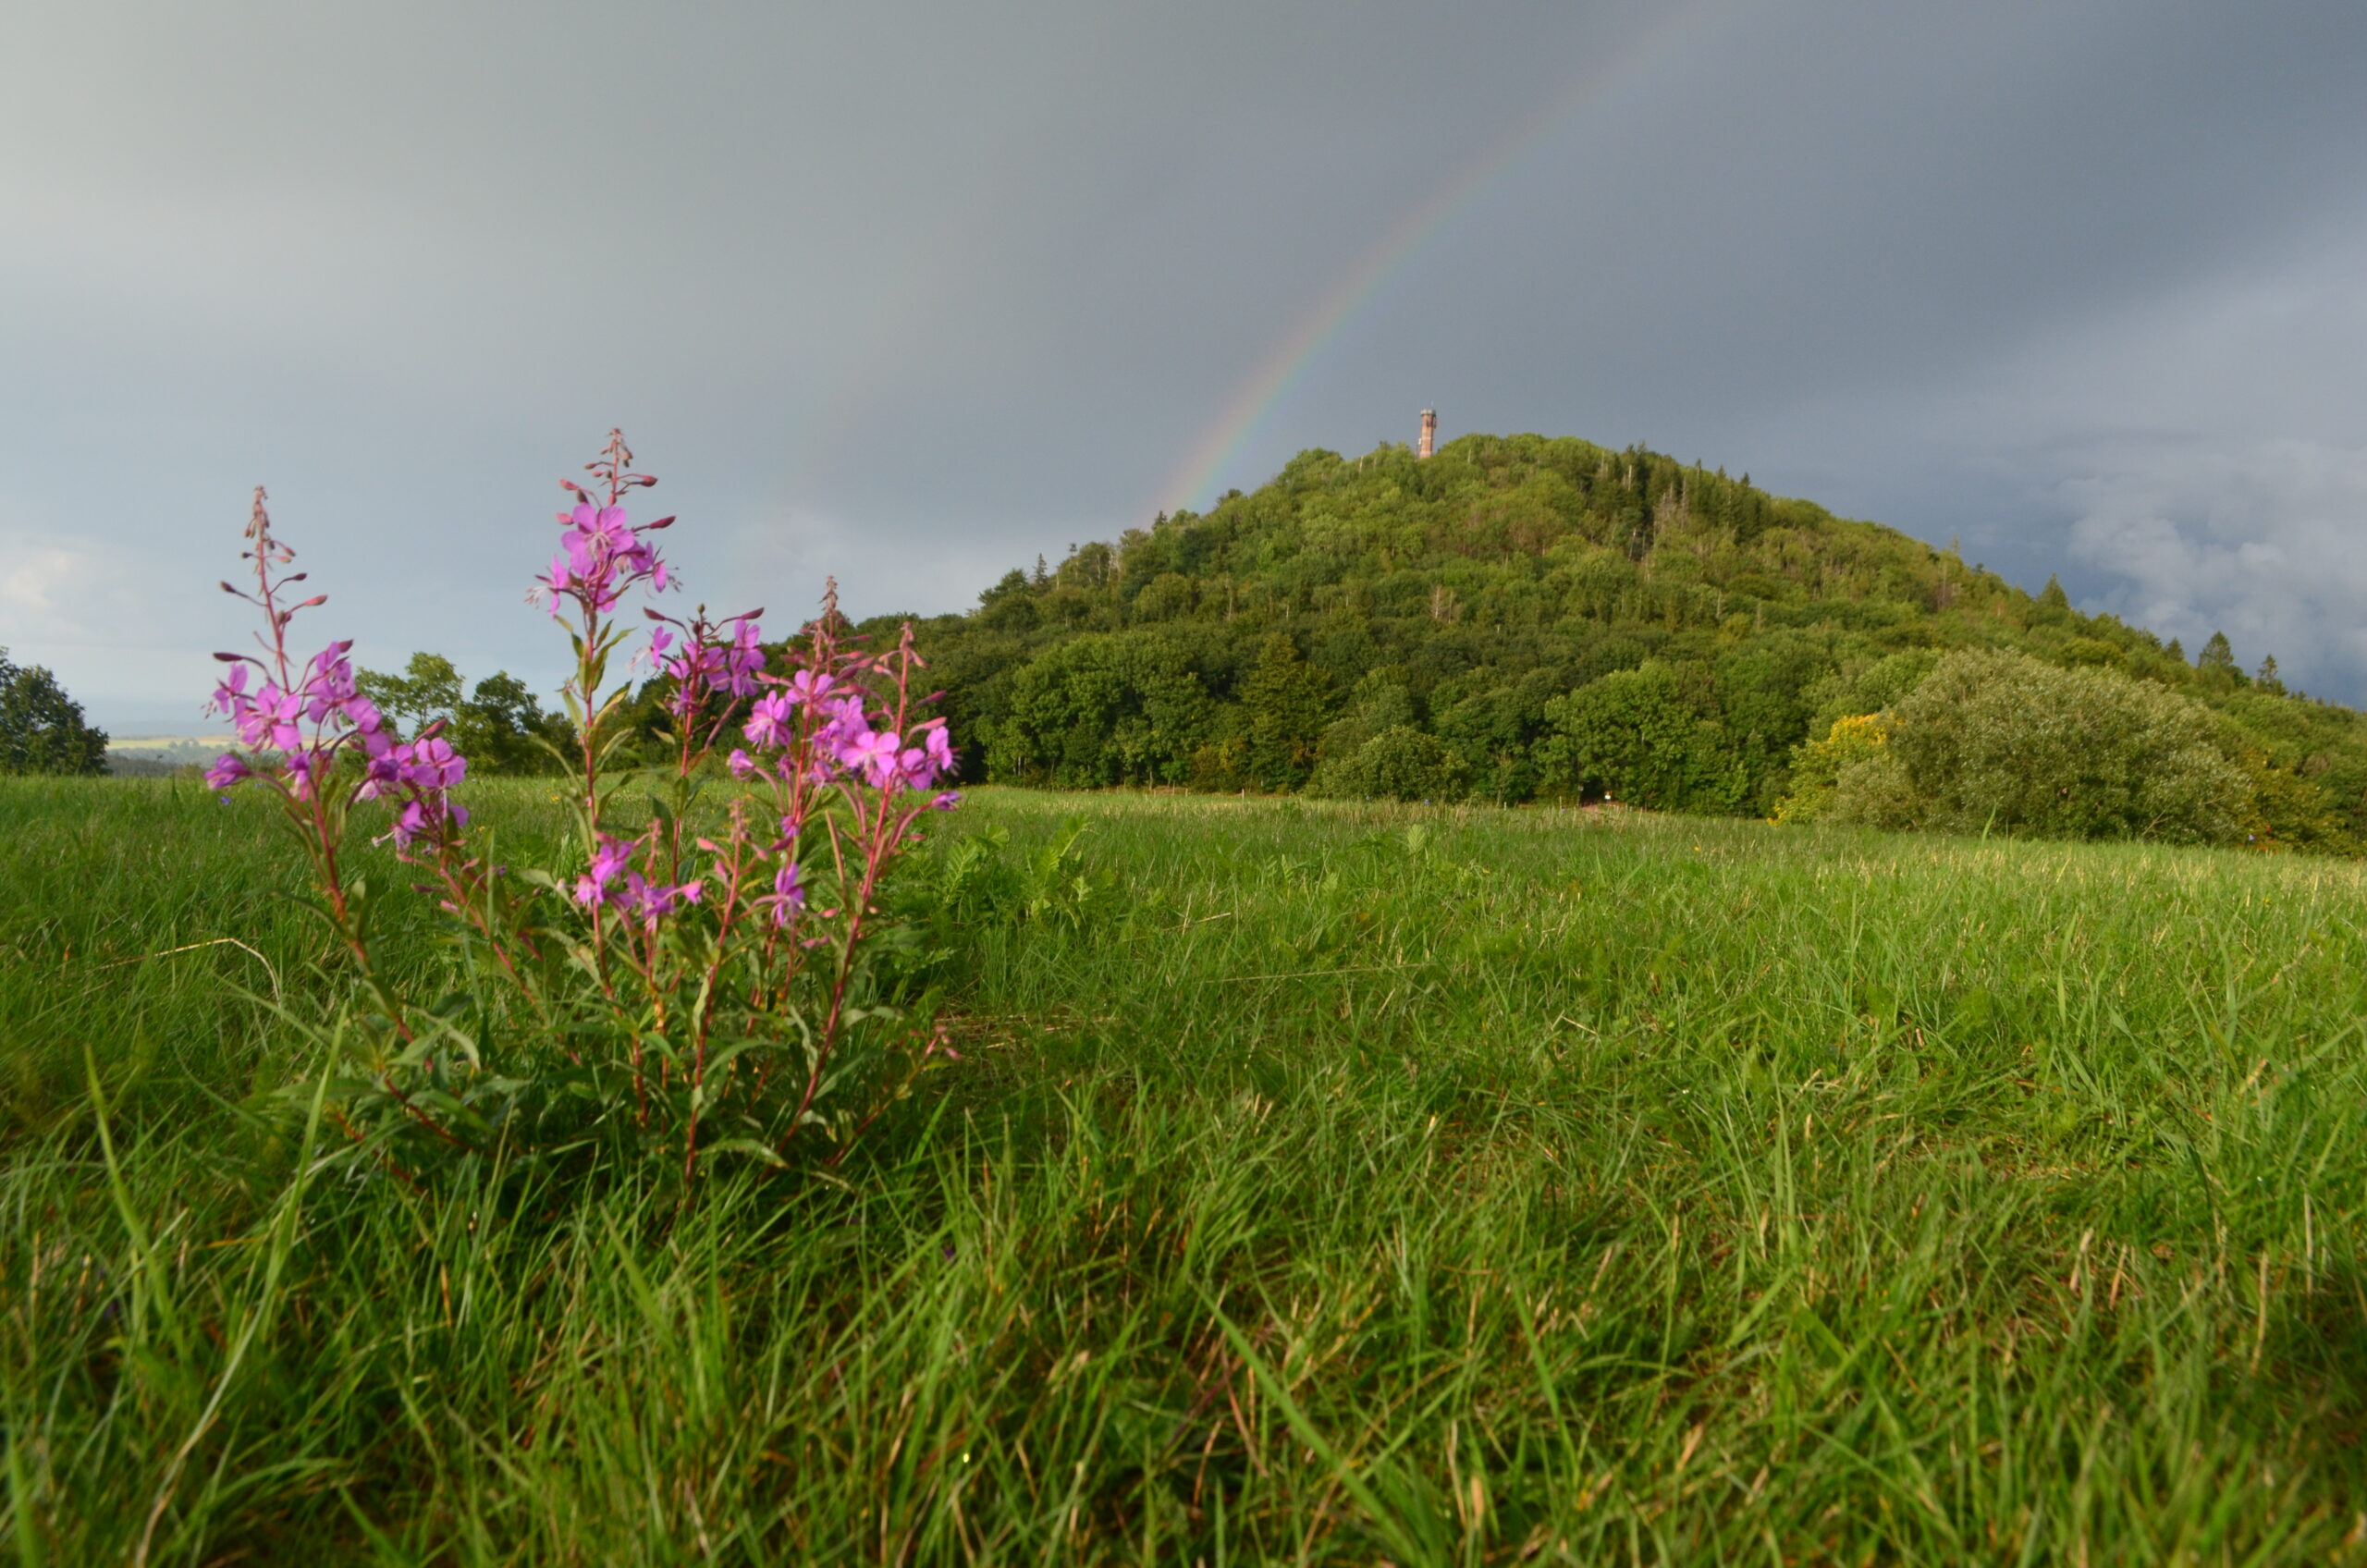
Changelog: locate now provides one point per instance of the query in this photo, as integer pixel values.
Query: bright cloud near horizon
(912, 293)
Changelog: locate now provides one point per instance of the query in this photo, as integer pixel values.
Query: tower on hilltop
(1429, 433)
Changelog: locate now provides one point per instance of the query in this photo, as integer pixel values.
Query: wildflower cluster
(296, 721)
(602, 555)
(708, 665)
(702, 959)
(843, 741)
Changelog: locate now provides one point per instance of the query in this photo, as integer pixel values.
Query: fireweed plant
(706, 977)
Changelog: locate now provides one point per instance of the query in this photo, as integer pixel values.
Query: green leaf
(751, 1148)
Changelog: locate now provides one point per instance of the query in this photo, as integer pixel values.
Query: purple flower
(608, 860)
(946, 801)
(847, 720)
(636, 892)
(364, 714)
(382, 775)
(231, 695)
(742, 660)
(598, 531)
(787, 895)
(328, 683)
(807, 687)
(742, 765)
(703, 667)
(269, 719)
(431, 763)
(305, 768)
(227, 769)
(915, 770)
(871, 753)
(428, 816)
(685, 670)
(601, 555)
(768, 724)
(653, 901)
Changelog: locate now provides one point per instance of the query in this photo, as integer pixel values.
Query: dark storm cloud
(911, 293)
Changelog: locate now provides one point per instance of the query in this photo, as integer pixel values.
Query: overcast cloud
(910, 293)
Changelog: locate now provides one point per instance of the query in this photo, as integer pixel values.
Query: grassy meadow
(1332, 1184)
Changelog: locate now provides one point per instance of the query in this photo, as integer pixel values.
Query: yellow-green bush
(1857, 741)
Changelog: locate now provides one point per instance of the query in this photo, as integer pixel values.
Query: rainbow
(1219, 445)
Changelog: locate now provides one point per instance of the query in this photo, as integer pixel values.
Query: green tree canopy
(1641, 736)
(500, 726)
(428, 689)
(1285, 704)
(1120, 708)
(41, 728)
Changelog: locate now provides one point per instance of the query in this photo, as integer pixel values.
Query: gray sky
(911, 292)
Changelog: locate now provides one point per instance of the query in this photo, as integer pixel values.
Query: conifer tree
(1285, 701)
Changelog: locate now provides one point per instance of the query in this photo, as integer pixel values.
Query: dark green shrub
(1400, 764)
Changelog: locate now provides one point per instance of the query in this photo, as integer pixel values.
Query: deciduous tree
(41, 728)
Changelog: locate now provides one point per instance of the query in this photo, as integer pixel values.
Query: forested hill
(1389, 625)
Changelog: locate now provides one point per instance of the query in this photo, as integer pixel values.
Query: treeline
(499, 725)
(1523, 618)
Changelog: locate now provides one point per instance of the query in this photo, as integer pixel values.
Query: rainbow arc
(1353, 290)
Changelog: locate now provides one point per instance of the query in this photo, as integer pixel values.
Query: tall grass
(1333, 1185)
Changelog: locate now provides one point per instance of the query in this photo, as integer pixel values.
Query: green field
(1335, 1185)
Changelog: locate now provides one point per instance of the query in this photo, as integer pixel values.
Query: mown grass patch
(1319, 1182)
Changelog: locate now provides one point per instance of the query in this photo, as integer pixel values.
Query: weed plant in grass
(1320, 1184)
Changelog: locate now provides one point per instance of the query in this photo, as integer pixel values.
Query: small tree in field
(41, 728)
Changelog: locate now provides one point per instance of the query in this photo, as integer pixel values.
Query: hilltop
(1443, 605)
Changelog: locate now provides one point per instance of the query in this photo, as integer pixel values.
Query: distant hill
(163, 756)
(1385, 624)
